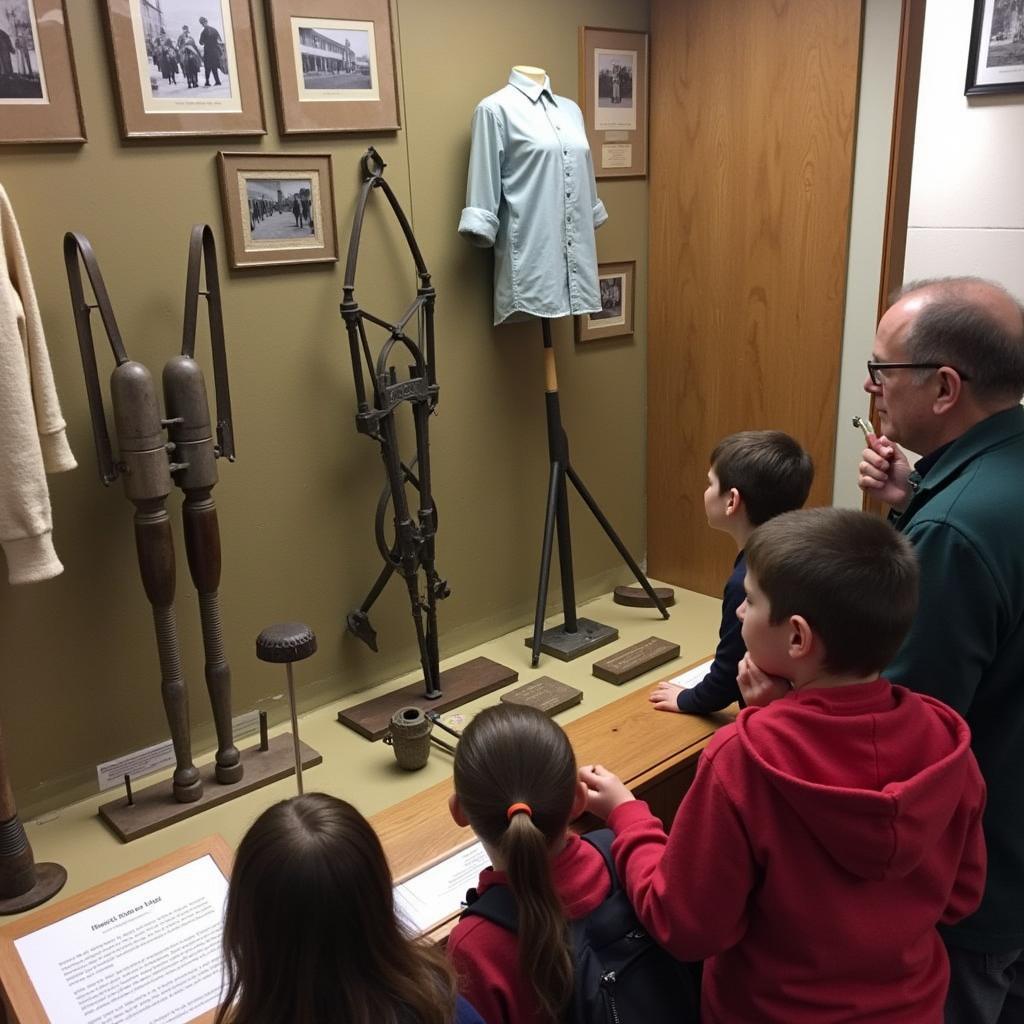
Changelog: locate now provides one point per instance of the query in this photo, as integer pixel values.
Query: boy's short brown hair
(849, 574)
(770, 470)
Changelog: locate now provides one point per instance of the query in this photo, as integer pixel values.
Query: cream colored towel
(32, 440)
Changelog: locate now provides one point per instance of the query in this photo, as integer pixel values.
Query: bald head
(971, 324)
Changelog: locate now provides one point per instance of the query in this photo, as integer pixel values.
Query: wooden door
(753, 111)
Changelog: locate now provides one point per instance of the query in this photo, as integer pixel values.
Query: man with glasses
(947, 373)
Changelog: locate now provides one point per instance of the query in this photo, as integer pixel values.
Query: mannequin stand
(576, 636)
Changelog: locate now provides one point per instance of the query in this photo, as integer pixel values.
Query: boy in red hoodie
(827, 833)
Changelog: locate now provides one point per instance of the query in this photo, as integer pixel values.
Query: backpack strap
(601, 839)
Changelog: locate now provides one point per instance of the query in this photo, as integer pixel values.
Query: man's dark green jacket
(966, 647)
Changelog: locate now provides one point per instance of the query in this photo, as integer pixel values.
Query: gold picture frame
(614, 92)
(617, 285)
(39, 98)
(278, 208)
(163, 65)
(334, 65)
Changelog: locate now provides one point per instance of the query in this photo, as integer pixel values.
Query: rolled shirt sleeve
(479, 220)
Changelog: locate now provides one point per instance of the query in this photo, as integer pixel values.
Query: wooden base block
(545, 694)
(636, 597)
(155, 808)
(459, 685)
(635, 660)
(50, 879)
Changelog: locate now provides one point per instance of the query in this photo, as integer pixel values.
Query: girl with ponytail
(516, 788)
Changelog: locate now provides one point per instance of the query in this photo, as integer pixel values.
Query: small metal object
(264, 739)
(864, 426)
(128, 789)
(436, 719)
(288, 642)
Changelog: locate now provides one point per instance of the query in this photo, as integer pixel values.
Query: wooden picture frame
(21, 1000)
(614, 92)
(39, 98)
(278, 208)
(334, 65)
(995, 61)
(163, 72)
(617, 284)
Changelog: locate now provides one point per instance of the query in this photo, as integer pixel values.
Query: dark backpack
(622, 976)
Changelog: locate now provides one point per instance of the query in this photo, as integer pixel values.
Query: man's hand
(605, 790)
(663, 697)
(883, 472)
(758, 688)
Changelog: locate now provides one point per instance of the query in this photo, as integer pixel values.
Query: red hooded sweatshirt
(486, 956)
(822, 840)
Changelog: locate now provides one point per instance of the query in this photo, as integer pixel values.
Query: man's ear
(801, 637)
(455, 809)
(735, 502)
(949, 391)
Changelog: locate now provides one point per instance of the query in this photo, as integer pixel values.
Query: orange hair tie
(514, 809)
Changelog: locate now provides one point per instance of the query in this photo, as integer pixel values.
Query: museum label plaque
(635, 660)
(545, 694)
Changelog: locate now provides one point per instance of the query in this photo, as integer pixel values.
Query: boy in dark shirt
(755, 475)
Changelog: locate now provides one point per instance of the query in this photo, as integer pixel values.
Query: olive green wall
(79, 681)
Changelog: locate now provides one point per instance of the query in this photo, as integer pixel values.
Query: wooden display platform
(459, 685)
(636, 597)
(155, 807)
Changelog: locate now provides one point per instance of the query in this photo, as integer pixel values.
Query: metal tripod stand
(576, 636)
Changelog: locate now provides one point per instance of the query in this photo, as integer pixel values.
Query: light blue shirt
(531, 194)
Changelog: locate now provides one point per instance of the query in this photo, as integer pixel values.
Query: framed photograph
(335, 65)
(278, 209)
(613, 95)
(39, 99)
(185, 67)
(617, 282)
(995, 62)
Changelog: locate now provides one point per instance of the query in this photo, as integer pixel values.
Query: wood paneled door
(753, 111)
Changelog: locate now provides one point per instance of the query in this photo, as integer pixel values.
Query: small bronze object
(410, 738)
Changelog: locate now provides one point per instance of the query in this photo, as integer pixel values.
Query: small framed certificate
(613, 94)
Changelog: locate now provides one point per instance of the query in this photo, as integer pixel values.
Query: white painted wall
(967, 190)
(879, 54)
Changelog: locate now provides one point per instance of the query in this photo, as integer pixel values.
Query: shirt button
(565, 152)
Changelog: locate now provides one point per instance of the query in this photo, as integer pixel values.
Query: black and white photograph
(615, 319)
(335, 60)
(281, 210)
(996, 61)
(186, 57)
(21, 71)
(614, 71)
(612, 291)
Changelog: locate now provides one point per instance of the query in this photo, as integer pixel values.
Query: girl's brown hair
(510, 755)
(310, 934)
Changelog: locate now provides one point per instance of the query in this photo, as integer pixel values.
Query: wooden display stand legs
(576, 636)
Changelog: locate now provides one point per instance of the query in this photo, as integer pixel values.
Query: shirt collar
(995, 430)
(529, 88)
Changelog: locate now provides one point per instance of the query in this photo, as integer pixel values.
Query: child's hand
(605, 790)
(758, 688)
(663, 697)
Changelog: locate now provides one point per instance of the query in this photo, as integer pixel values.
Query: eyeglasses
(876, 369)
